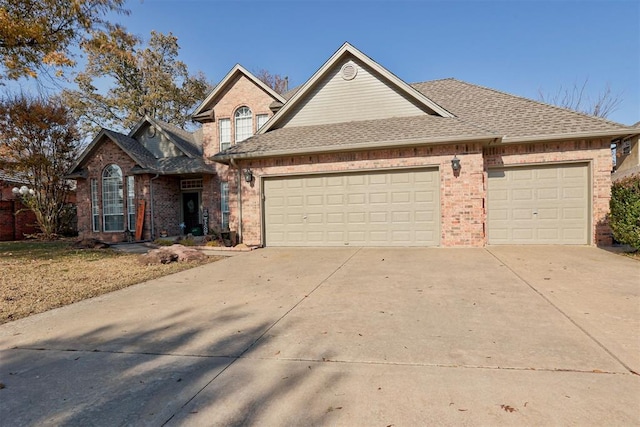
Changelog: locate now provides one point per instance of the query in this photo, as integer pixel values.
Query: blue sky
(520, 47)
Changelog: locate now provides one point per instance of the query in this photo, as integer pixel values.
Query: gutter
(407, 143)
(566, 136)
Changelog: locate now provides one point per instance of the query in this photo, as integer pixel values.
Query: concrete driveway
(347, 336)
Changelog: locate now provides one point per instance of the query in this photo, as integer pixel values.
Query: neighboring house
(356, 156)
(627, 156)
(15, 219)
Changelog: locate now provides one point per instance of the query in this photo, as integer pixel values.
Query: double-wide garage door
(539, 205)
(379, 208)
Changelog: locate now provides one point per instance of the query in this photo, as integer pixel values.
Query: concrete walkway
(346, 336)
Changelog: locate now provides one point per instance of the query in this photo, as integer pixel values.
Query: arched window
(112, 199)
(244, 124)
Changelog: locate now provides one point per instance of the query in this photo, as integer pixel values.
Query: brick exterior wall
(105, 154)
(16, 220)
(462, 195)
(239, 92)
(167, 196)
(166, 205)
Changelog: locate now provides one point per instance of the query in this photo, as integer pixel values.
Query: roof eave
(378, 145)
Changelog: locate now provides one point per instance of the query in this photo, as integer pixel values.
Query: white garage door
(397, 208)
(539, 205)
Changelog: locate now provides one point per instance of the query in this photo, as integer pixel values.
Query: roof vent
(349, 71)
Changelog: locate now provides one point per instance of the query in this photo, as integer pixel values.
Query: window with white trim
(112, 199)
(131, 203)
(191, 184)
(224, 129)
(224, 205)
(261, 119)
(244, 124)
(95, 209)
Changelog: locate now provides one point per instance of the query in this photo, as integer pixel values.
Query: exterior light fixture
(455, 163)
(23, 191)
(248, 175)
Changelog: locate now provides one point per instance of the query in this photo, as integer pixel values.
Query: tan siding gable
(366, 97)
(156, 143)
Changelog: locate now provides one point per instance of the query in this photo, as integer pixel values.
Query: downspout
(239, 177)
(153, 231)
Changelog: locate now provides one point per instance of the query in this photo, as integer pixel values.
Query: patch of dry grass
(39, 276)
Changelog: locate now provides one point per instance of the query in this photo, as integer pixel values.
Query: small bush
(187, 242)
(625, 211)
(213, 243)
(163, 242)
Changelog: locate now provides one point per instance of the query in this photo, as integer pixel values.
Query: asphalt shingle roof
(397, 130)
(479, 113)
(133, 148)
(13, 177)
(146, 161)
(163, 165)
(509, 115)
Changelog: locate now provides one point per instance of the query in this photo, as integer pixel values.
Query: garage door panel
(573, 213)
(315, 200)
(548, 194)
(356, 199)
(377, 179)
(379, 208)
(538, 205)
(573, 193)
(551, 214)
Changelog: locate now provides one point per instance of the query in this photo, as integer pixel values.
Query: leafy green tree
(39, 142)
(141, 80)
(36, 34)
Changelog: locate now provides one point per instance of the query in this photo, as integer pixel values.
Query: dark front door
(190, 210)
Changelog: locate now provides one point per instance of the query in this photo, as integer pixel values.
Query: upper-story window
(261, 119)
(244, 124)
(225, 133)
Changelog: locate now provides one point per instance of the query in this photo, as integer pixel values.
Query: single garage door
(385, 208)
(539, 205)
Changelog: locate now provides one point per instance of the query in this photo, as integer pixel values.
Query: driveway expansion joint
(441, 365)
(262, 335)
(141, 353)
(559, 310)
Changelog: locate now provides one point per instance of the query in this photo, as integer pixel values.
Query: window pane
(131, 203)
(262, 119)
(225, 133)
(112, 199)
(95, 210)
(244, 124)
(224, 204)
